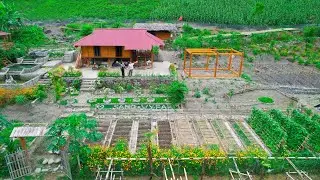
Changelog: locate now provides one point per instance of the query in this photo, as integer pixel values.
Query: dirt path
(249, 33)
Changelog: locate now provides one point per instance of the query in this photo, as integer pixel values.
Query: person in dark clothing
(122, 66)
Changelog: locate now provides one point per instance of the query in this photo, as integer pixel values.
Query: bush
(197, 94)
(177, 92)
(20, 99)
(86, 29)
(318, 65)
(72, 74)
(108, 74)
(246, 77)
(40, 93)
(172, 69)
(265, 99)
(311, 31)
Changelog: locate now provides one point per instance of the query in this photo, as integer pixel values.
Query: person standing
(130, 67)
(122, 66)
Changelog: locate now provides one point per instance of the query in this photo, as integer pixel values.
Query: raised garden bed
(128, 100)
(130, 103)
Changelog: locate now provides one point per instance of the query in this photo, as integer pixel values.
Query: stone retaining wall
(31, 82)
(145, 82)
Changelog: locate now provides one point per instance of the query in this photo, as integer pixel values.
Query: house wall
(105, 52)
(163, 35)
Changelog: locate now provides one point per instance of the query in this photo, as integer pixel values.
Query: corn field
(237, 12)
(244, 12)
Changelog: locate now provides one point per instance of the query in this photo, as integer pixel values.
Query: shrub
(246, 77)
(177, 92)
(76, 84)
(197, 94)
(311, 31)
(265, 99)
(318, 65)
(72, 73)
(155, 50)
(206, 91)
(128, 87)
(20, 99)
(86, 29)
(40, 93)
(108, 74)
(172, 69)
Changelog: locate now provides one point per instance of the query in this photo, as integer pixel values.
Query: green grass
(248, 12)
(266, 99)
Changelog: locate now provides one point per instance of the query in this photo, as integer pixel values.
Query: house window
(96, 51)
(118, 51)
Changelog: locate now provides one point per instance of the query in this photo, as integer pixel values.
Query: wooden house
(111, 45)
(163, 31)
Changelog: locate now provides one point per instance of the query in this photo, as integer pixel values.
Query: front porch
(143, 59)
(158, 68)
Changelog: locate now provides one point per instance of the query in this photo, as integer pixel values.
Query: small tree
(57, 81)
(71, 132)
(177, 92)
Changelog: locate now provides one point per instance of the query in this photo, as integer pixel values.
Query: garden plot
(230, 143)
(144, 127)
(247, 135)
(287, 74)
(184, 132)
(204, 131)
(164, 134)
(250, 99)
(122, 130)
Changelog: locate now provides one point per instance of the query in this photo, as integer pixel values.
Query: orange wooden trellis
(217, 72)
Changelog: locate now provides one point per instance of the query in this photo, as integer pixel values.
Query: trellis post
(190, 66)
(241, 64)
(216, 65)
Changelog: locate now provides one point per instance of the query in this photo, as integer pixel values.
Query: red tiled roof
(3, 33)
(131, 39)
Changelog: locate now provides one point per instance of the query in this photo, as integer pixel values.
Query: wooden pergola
(216, 72)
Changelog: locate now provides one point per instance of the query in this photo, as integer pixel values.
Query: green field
(245, 12)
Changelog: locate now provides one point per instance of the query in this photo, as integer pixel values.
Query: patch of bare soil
(231, 96)
(36, 113)
(285, 73)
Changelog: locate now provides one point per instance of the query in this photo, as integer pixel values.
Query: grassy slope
(65, 9)
(273, 12)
